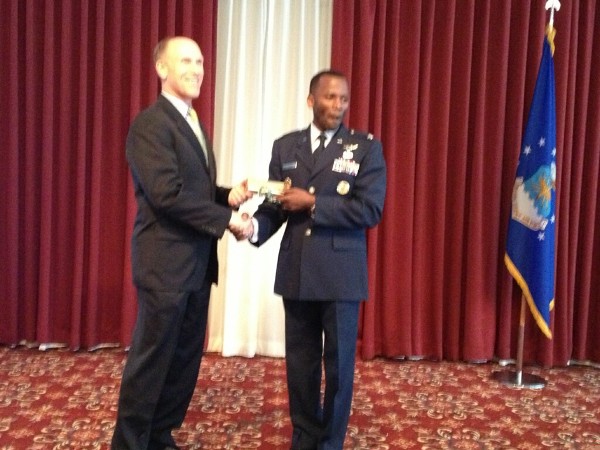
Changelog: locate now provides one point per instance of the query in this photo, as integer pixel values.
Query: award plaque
(270, 189)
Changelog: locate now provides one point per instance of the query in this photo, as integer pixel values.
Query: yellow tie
(195, 124)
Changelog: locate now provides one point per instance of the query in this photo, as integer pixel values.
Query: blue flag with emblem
(530, 249)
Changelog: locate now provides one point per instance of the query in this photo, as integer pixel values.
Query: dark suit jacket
(325, 257)
(181, 211)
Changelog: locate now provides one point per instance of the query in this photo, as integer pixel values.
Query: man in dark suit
(181, 214)
(337, 192)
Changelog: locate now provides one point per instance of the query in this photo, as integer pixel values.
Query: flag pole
(552, 5)
(519, 367)
(526, 251)
(517, 378)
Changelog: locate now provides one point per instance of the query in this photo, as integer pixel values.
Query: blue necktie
(320, 148)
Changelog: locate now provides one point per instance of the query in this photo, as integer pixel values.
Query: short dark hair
(314, 82)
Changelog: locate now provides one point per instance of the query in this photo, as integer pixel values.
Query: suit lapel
(212, 163)
(186, 130)
(304, 150)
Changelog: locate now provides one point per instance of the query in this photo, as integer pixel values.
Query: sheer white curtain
(267, 51)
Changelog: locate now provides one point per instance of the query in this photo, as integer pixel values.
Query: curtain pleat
(10, 181)
(446, 85)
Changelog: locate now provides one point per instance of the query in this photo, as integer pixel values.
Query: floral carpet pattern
(67, 400)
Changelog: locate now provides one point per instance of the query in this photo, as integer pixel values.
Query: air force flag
(530, 250)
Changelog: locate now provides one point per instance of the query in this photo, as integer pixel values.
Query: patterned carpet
(66, 400)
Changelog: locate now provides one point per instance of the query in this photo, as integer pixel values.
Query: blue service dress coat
(323, 254)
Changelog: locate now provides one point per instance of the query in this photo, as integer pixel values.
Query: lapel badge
(343, 187)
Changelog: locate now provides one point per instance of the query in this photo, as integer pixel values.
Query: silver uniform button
(311, 190)
(308, 232)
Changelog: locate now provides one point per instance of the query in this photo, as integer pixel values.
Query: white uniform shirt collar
(315, 133)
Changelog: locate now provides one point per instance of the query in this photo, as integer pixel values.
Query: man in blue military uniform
(338, 182)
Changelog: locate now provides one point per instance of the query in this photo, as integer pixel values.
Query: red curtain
(74, 75)
(446, 85)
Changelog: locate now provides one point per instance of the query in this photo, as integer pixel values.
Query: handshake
(241, 226)
(290, 199)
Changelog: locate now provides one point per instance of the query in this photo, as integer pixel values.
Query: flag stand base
(516, 378)
(519, 379)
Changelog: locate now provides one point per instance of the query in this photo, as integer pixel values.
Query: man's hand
(239, 194)
(296, 199)
(241, 226)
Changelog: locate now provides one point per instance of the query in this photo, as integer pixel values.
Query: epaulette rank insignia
(369, 135)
